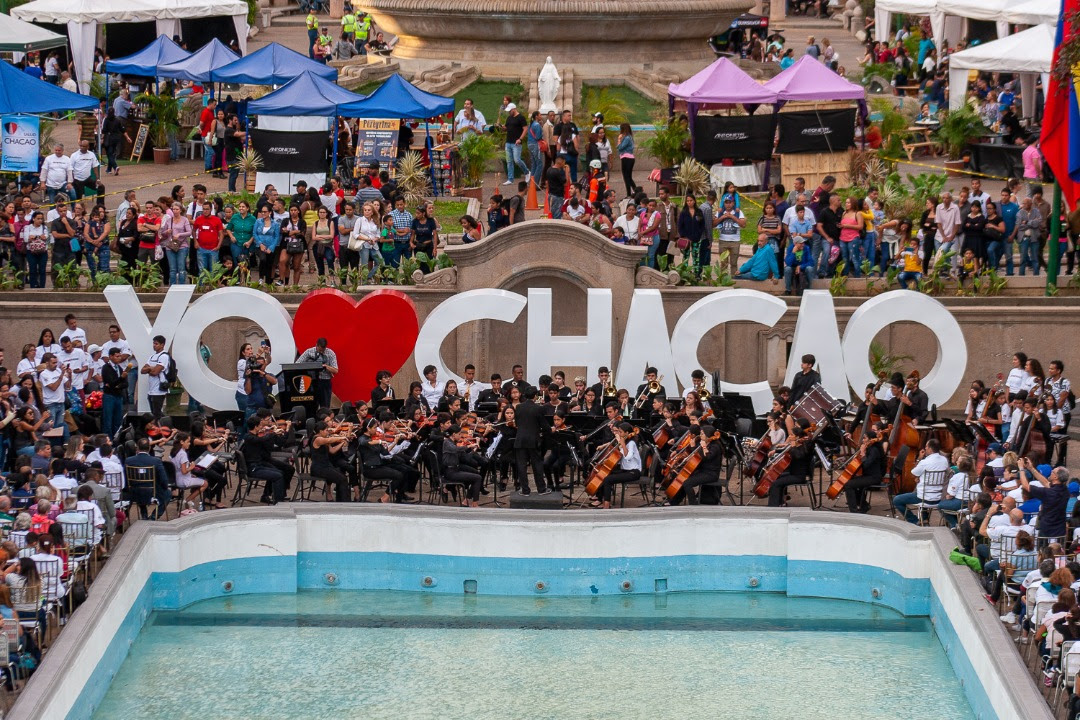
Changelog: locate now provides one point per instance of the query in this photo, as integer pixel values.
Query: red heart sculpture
(377, 333)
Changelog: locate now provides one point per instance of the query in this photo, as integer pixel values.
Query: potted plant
(250, 162)
(476, 151)
(958, 129)
(669, 144)
(163, 116)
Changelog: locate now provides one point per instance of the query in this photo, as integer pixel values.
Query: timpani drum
(815, 405)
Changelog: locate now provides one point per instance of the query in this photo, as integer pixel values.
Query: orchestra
(468, 438)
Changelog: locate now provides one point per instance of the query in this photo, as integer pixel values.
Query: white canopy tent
(1034, 12)
(1029, 53)
(22, 37)
(84, 18)
(944, 26)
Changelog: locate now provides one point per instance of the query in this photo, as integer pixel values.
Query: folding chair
(933, 482)
(53, 590)
(143, 484)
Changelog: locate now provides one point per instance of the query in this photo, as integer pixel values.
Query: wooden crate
(813, 167)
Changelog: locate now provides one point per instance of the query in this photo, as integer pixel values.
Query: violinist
(708, 471)
(205, 438)
(558, 455)
(328, 461)
(692, 403)
(629, 467)
(157, 434)
(656, 409)
(257, 448)
(416, 400)
(873, 469)
(379, 464)
(460, 466)
(514, 396)
(382, 390)
(800, 446)
(554, 401)
(506, 426)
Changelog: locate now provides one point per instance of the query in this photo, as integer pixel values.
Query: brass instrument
(651, 389)
(610, 390)
(703, 394)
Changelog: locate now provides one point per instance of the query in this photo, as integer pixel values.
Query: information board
(377, 141)
(139, 145)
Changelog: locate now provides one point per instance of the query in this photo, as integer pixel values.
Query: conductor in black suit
(531, 424)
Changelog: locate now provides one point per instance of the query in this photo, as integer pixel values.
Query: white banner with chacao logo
(21, 143)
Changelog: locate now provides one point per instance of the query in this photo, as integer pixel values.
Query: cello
(688, 466)
(1033, 443)
(854, 463)
(902, 434)
(781, 463)
(606, 464)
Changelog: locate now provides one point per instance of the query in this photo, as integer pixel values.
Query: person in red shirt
(148, 226)
(206, 129)
(208, 236)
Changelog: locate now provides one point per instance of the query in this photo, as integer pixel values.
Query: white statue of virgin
(548, 86)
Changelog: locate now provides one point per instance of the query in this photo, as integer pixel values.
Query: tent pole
(431, 158)
(333, 157)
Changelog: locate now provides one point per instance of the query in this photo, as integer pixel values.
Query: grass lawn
(487, 97)
(641, 108)
(369, 87)
(448, 213)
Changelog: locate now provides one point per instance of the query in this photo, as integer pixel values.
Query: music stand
(960, 430)
(394, 405)
(584, 424)
(486, 407)
(983, 434)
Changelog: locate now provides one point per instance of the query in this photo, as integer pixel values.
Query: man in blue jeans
(209, 233)
(55, 382)
(114, 384)
(515, 133)
(535, 135)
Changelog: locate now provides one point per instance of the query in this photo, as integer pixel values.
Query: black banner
(738, 137)
(816, 131)
(290, 152)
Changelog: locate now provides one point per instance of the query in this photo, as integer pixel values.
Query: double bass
(854, 463)
(781, 463)
(1033, 443)
(903, 434)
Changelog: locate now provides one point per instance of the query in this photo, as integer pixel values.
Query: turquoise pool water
(357, 654)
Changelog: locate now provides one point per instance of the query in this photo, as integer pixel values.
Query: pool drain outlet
(626, 586)
(753, 582)
(330, 579)
(876, 593)
(227, 586)
(428, 581)
(541, 586)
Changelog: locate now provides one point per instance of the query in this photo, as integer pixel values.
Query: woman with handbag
(364, 240)
(175, 237)
(691, 227)
(96, 241)
(267, 234)
(322, 240)
(127, 230)
(294, 235)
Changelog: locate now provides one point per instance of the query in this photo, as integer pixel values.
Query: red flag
(1060, 114)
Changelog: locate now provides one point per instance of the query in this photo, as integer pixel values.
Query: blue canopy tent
(21, 93)
(308, 94)
(146, 62)
(198, 66)
(399, 98)
(272, 65)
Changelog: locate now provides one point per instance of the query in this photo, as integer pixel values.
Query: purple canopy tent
(721, 84)
(809, 79)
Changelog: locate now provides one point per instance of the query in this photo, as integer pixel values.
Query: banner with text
(290, 152)
(21, 142)
(816, 131)
(377, 141)
(719, 137)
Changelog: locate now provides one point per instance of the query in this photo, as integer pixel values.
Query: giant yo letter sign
(377, 333)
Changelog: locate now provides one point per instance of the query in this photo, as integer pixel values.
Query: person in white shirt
(87, 506)
(957, 492)
(1018, 375)
(75, 361)
(432, 388)
(1002, 537)
(471, 387)
(83, 164)
(95, 362)
(629, 469)
(73, 331)
(469, 118)
(1008, 504)
(128, 201)
(930, 461)
(156, 368)
(56, 174)
(978, 195)
(790, 213)
(55, 382)
(61, 207)
(630, 223)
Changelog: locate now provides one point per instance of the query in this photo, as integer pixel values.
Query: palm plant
(164, 116)
(413, 180)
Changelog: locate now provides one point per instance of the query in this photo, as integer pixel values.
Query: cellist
(798, 471)
(873, 469)
(709, 444)
(629, 467)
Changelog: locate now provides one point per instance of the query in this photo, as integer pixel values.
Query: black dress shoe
(524, 491)
(545, 491)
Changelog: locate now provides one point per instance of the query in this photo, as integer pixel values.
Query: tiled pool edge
(46, 695)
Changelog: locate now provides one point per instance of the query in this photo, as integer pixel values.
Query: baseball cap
(510, 106)
(93, 349)
(996, 448)
(1074, 488)
(301, 182)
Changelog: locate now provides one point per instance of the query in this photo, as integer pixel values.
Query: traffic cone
(530, 201)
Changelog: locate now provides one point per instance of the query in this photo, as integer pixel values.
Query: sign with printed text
(21, 140)
(377, 141)
(291, 151)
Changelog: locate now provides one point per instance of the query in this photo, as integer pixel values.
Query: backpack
(170, 370)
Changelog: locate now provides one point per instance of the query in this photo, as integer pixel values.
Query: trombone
(651, 389)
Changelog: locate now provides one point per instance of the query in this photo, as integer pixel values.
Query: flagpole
(1053, 263)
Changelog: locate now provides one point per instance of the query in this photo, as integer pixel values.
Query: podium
(299, 380)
